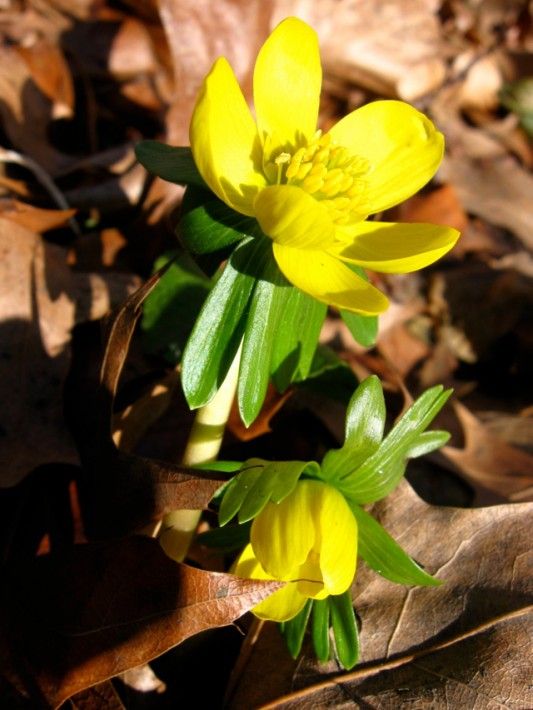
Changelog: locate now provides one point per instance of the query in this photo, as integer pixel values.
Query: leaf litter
(80, 83)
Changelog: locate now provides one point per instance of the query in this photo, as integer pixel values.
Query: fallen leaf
(197, 37)
(51, 73)
(26, 112)
(33, 218)
(489, 462)
(400, 347)
(452, 639)
(389, 47)
(99, 697)
(441, 206)
(100, 609)
(274, 401)
(498, 190)
(121, 492)
(40, 301)
(131, 424)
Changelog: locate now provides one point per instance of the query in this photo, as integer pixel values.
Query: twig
(12, 156)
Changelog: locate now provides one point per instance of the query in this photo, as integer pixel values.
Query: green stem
(205, 440)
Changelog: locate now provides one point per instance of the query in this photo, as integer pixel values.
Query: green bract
(251, 300)
(366, 468)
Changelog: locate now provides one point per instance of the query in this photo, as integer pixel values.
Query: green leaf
(379, 474)
(223, 466)
(296, 339)
(258, 483)
(329, 376)
(294, 630)
(320, 628)
(238, 488)
(363, 328)
(168, 162)
(427, 442)
(345, 630)
(277, 480)
(170, 309)
(267, 307)
(207, 224)
(219, 327)
(228, 539)
(365, 422)
(384, 555)
(517, 96)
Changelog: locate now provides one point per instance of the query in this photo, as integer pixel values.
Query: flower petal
(338, 541)
(283, 534)
(279, 606)
(287, 80)
(329, 280)
(224, 140)
(402, 145)
(291, 216)
(394, 248)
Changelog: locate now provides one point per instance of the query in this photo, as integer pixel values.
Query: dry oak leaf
(40, 300)
(459, 645)
(490, 462)
(390, 47)
(85, 615)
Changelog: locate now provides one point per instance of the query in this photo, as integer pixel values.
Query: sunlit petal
(224, 140)
(287, 81)
(279, 606)
(283, 534)
(327, 279)
(402, 146)
(394, 248)
(292, 217)
(338, 541)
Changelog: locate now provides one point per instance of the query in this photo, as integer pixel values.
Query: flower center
(326, 171)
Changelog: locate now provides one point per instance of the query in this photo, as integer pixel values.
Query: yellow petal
(403, 148)
(394, 248)
(328, 280)
(279, 606)
(283, 534)
(290, 216)
(224, 140)
(287, 79)
(338, 541)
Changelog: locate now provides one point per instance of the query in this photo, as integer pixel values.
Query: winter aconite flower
(309, 540)
(312, 193)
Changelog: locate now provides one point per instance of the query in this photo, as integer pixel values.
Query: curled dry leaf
(76, 619)
(33, 218)
(388, 47)
(26, 112)
(445, 642)
(40, 300)
(121, 492)
(489, 462)
(50, 72)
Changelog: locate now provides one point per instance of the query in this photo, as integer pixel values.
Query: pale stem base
(205, 440)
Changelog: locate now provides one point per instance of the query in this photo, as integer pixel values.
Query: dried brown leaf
(198, 32)
(51, 73)
(26, 112)
(34, 218)
(489, 462)
(40, 300)
(453, 638)
(121, 492)
(274, 401)
(389, 47)
(77, 619)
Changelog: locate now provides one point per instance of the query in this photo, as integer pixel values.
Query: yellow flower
(309, 540)
(311, 193)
